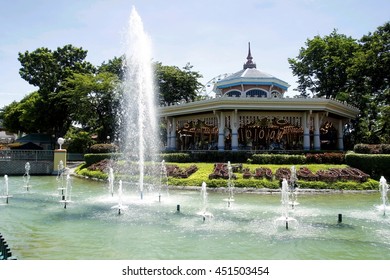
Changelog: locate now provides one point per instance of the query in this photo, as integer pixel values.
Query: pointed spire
(249, 63)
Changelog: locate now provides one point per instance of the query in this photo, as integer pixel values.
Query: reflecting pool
(37, 226)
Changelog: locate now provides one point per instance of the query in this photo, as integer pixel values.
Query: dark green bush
(278, 159)
(94, 158)
(372, 148)
(332, 158)
(176, 157)
(374, 165)
(103, 149)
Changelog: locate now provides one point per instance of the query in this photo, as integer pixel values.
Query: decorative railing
(30, 155)
(5, 251)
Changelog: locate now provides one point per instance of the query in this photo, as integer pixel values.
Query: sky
(211, 35)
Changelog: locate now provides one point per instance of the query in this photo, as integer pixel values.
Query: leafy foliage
(175, 84)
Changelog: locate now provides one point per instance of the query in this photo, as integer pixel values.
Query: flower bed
(177, 172)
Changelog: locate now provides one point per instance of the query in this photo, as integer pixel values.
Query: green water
(37, 226)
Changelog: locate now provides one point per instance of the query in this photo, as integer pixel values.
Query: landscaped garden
(259, 171)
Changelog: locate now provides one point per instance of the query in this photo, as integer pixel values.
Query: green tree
(94, 101)
(356, 71)
(114, 66)
(175, 84)
(370, 85)
(48, 70)
(322, 66)
(22, 116)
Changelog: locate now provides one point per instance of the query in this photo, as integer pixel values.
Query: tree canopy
(351, 70)
(71, 91)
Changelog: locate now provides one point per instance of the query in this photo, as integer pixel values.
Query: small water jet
(120, 205)
(383, 188)
(66, 196)
(204, 213)
(26, 176)
(60, 178)
(163, 180)
(230, 185)
(5, 193)
(285, 220)
(293, 188)
(111, 179)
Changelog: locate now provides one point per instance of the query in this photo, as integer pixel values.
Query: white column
(172, 134)
(234, 124)
(221, 131)
(317, 142)
(306, 131)
(340, 136)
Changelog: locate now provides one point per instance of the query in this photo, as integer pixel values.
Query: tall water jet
(139, 135)
(383, 188)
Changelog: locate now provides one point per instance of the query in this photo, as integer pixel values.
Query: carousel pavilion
(250, 112)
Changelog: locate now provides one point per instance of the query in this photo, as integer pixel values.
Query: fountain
(293, 188)
(5, 191)
(111, 180)
(383, 188)
(26, 176)
(163, 185)
(66, 195)
(285, 219)
(120, 205)
(61, 187)
(230, 186)
(203, 212)
(138, 119)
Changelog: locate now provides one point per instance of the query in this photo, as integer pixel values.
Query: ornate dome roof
(249, 75)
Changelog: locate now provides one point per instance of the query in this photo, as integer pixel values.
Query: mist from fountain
(138, 131)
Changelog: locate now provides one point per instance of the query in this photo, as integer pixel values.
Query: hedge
(372, 164)
(94, 158)
(278, 159)
(372, 148)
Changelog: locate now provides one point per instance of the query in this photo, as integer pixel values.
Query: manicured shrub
(372, 148)
(94, 158)
(103, 148)
(277, 159)
(176, 157)
(333, 158)
(374, 165)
